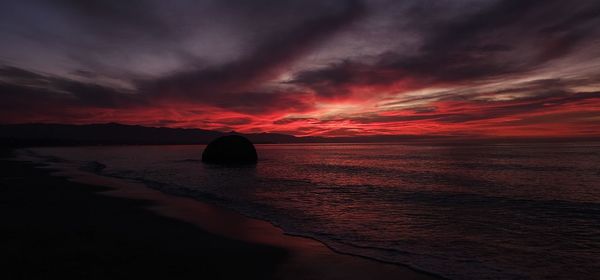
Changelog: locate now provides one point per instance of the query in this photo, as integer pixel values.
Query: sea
(496, 211)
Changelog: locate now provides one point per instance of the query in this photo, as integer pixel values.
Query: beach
(80, 225)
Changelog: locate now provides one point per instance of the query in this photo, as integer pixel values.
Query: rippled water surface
(513, 211)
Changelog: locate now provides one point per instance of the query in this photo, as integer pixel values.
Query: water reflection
(467, 212)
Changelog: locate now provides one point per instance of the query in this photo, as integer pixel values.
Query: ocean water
(512, 211)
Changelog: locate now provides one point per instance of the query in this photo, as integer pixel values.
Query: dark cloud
(21, 89)
(15, 74)
(503, 39)
(130, 17)
(261, 63)
(227, 86)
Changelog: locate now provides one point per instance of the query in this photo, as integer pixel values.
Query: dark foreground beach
(54, 227)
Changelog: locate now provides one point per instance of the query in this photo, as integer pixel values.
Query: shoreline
(56, 228)
(306, 257)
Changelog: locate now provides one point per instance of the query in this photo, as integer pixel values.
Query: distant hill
(19, 135)
(119, 134)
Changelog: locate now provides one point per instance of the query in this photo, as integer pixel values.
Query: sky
(468, 68)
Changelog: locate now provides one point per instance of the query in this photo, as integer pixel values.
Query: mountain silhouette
(26, 135)
(120, 134)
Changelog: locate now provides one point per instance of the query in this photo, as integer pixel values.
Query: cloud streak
(496, 68)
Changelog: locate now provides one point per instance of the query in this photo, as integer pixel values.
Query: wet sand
(74, 223)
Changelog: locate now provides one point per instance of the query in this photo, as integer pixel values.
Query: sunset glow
(327, 68)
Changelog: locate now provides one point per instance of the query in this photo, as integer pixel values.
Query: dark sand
(56, 228)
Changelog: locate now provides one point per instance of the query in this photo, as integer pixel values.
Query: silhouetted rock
(231, 149)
